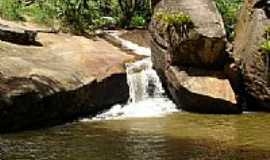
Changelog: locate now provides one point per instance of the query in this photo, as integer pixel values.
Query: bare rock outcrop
(190, 61)
(203, 45)
(68, 77)
(249, 57)
(199, 93)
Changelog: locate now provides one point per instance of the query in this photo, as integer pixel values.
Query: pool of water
(174, 137)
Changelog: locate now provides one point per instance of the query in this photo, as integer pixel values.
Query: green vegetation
(11, 9)
(178, 18)
(267, 33)
(44, 12)
(133, 11)
(79, 16)
(229, 10)
(138, 21)
(265, 47)
(177, 21)
(181, 22)
(87, 15)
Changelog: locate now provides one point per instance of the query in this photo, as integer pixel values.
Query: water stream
(178, 136)
(147, 96)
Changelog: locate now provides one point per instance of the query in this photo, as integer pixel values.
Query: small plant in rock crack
(265, 47)
(181, 22)
(267, 32)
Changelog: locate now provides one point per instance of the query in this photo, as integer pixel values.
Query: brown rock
(250, 31)
(186, 68)
(205, 43)
(196, 92)
(69, 76)
(158, 57)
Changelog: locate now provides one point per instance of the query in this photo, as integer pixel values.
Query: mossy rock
(178, 18)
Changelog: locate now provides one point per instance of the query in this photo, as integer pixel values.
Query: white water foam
(147, 96)
(131, 46)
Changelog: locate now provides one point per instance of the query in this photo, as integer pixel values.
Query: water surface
(174, 137)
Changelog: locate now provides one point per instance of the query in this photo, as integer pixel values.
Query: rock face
(204, 45)
(191, 65)
(250, 35)
(17, 35)
(67, 77)
(199, 93)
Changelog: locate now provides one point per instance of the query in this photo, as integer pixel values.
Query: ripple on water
(175, 137)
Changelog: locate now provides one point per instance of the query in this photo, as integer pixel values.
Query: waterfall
(147, 96)
(143, 81)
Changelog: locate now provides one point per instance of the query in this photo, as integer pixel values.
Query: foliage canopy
(78, 16)
(84, 15)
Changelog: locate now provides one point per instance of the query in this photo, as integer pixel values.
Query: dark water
(175, 137)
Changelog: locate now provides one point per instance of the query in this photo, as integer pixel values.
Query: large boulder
(193, 91)
(191, 65)
(204, 44)
(248, 55)
(68, 77)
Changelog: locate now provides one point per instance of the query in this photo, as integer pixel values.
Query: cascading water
(147, 96)
(143, 81)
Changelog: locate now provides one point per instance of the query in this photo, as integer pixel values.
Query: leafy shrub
(229, 10)
(106, 23)
(265, 48)
(11, 9)
(78, 15)
(267, 33)
(44, 12)
(138, 21)
(73, 15)
(144, 10)
(178, 21)
(175, 19)
(134, 8)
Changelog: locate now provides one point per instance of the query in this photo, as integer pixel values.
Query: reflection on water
(175, 137)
